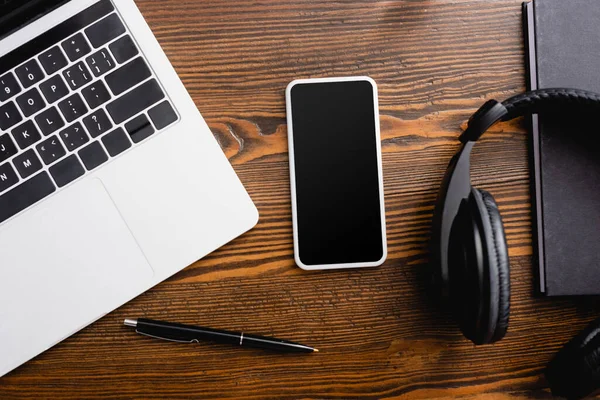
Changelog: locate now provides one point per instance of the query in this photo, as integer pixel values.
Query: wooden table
(379, 333)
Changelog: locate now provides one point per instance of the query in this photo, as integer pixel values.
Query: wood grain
(379, 332)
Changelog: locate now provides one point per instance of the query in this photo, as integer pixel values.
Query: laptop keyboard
(70, 100)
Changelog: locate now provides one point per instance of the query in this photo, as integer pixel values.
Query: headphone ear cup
(478, 270)
(575, 370)
(499, 261)
(494, 295)
(465, 268)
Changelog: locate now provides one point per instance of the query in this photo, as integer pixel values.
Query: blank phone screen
(338, 201)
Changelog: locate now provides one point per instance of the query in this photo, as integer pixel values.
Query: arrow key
(51, 150)
(74, 136)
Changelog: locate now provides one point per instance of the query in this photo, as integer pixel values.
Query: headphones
(469, 251)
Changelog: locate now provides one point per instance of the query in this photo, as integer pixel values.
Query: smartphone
(335, 172)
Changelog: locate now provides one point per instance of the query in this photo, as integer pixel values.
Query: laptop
(110, 180)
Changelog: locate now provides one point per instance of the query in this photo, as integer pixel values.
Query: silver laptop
(110, 180)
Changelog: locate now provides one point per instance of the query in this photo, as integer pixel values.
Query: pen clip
(168, 339)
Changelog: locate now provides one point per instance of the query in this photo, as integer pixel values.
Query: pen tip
(316, 350)
(131, 322)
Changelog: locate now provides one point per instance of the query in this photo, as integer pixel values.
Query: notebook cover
(563, 39)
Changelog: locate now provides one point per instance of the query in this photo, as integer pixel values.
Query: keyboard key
(54, 35)
(9, 116)
(116, 142)
(8, 177)
(7, 147)
(25, 195)
(123, 49)
(74, 136)
(77, 76)
(52, 60)
(54, 89)
(51, 150)
(100, 62)
(27, 163)
(96, 94)
(8, 86)
(105, 30)
(31, 102)
(49, 121)
(162, 115)
(93, 155)
(76, 47)
(135, 101)
(29, 73)
(97, 123)
(66, 171)
(128, 76)
(72, 107)
(26, 134)
(139, 128)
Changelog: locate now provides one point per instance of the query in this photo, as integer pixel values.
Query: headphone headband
(456, 185)
(533, 102)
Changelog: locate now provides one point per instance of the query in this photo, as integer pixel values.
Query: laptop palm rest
(64, 264)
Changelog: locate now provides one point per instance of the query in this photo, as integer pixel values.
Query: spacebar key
(135, 101)
(25, 195)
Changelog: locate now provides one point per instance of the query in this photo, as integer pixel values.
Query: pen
(193, 334)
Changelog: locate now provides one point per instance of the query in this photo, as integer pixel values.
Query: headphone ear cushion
(575, 370)
(497, 249)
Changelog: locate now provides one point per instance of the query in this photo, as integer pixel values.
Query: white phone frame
(290, 130)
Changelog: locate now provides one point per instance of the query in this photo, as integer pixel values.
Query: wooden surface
(380, 335)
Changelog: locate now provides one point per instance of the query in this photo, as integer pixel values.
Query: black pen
(193, 334)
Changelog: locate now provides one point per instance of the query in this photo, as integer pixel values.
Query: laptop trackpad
(63, 265)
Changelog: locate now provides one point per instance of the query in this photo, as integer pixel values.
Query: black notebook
(563, 49)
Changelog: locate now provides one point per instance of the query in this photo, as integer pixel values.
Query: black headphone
(470, 254)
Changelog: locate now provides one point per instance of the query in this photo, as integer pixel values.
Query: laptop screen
(15, 14)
